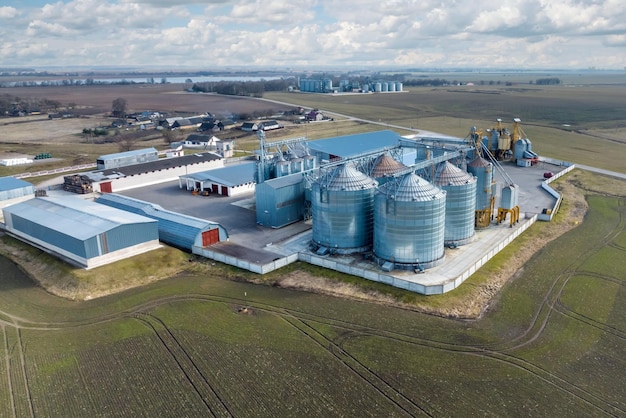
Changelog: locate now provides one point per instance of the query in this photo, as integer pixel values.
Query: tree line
(548, 81)
(243, 88)
(11, 105)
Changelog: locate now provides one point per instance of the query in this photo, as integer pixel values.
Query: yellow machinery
(499, 140)
(514, 212)
(483, 216)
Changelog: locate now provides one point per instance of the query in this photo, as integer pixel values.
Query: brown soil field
(139, 97)
(42, 130)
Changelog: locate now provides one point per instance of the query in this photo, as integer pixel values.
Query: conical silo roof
(479, 162)
(450, 175)
(411, 187)
(386, 165)
(346, 177)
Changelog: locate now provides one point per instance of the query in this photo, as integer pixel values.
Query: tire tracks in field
(5, 340)
(566, 311)
(17, 377)
(501, 351)
(537, 326)
(366, 375)
(214, 404)
(546, 376)
(502, 355)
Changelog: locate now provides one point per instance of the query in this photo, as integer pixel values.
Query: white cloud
(524, 33)
(39, 28)
(7, 12)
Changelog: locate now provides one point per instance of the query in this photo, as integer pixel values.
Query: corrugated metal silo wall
(407, 232)
(45, 234)
(128, 235)
(342, 219)
(483, 185)
(460, 207)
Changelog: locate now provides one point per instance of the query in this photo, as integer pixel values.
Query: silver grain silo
(297, 164)
(398, 86)
(509, 196)
(485, 188)
(309, 162)
(483, 170)
(409, 224)
(521, 146)
(342, 201)
(282, 167)
(460, 202)
(378, 87)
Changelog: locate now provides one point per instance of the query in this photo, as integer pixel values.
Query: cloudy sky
(526, 34)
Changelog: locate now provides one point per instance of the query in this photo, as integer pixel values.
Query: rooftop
(160, 164)
(11, 183)
(127, 153)
(231, 175)
(74, 216)
(353, 145)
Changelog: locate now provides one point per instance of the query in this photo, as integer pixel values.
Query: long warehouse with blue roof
(175, 229)
(81, 232)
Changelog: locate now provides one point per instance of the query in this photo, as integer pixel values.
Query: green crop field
(552, 344)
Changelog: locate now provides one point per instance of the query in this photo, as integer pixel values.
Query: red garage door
(210, 237)
(106, 187)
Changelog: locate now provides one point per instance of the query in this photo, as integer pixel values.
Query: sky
(202, 34)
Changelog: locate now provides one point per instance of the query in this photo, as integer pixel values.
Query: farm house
(81, 232)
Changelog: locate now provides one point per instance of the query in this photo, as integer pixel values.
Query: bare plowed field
(157, 97)
(42, 130)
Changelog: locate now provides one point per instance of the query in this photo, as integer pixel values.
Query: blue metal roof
(11, 183)
(285, 181)
(128, 153)
(230, 176)
(174, 228)
(348, 146)
(73, 216)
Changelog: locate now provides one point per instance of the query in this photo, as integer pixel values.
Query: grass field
(552, 344)
(583, 124)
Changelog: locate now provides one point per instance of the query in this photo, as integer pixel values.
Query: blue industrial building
(81, 232)
(175, 229)
(12, 188)
(13, 191)
(280, 201)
